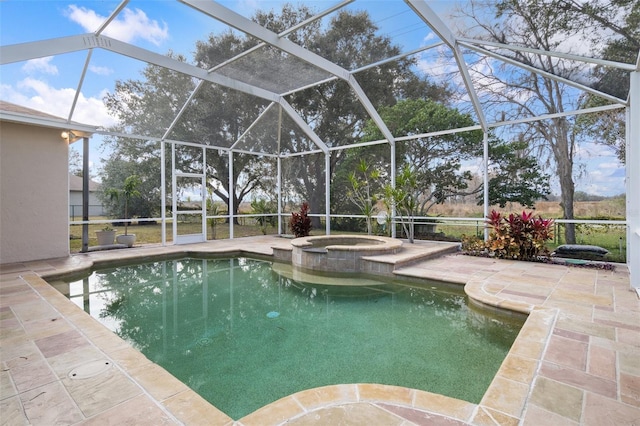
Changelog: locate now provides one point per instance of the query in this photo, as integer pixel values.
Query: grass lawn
(152, 233)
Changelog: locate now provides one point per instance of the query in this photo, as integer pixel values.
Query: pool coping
(505, 401)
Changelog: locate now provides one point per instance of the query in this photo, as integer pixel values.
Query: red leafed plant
(300, 222)
(518, 236)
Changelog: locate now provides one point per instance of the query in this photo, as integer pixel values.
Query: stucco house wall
(34, 193)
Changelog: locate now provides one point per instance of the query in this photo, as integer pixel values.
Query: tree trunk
(316, 199)
(566, 194)
(563, 153)
(236, 208)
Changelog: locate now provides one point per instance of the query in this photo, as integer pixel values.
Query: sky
(49, 84)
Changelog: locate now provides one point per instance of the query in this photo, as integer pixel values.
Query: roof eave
(79, 129)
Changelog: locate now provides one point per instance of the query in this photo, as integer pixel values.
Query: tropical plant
(264, 207)
(300, 222)
(405, 198)
(213, 209)
(360, 191)
(473, 245)
(518, 236)
(128, 191)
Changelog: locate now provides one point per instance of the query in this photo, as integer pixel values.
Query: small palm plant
(263, 208)
(360, 192)
(128, 191)
(214, 210)
(404, 197)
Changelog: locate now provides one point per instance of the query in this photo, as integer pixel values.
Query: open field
(614, 209)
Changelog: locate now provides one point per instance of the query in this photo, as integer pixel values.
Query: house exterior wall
(34, 193)
(75, 205)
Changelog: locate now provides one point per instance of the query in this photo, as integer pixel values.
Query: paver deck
(575, 362)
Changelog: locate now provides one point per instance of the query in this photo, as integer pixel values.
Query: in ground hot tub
(339, 253)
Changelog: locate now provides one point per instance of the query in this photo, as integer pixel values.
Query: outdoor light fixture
(69, 136)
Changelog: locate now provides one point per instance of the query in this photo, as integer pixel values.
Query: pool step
(386, 264)
(409, 254)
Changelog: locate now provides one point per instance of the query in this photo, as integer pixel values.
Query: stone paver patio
(575, 362)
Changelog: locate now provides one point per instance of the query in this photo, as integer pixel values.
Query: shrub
(473, 245)
(518, 236)
(300, 222)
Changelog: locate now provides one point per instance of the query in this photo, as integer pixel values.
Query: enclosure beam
(279, 172)
(163, 192)
(392, 219)
(279, 189)
(203, 193)
(231, 192)
(633, 181)
(485, 180)
(327, 192)
(111, 17)
(80, 83)
(85, 194)
(428, 15)
(239, 22)
(546, 74)
(38, 49)
(620, 65)
(283, 33)
(251, 126)
(373, 113)
(174, 203)
(43, 48)
(424, 11)
(303, 125)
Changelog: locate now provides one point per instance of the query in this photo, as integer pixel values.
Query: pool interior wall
(225, 339)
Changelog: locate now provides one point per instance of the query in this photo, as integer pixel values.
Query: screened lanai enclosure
(347, 106)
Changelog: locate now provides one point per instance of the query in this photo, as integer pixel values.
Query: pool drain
(273, 314)
(90, 369)
(203, 341)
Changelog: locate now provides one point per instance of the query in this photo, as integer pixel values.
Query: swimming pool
(242, 335)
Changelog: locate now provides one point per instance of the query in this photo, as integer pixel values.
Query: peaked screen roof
(276, 66)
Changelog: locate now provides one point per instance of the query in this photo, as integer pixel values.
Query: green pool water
(243, 334)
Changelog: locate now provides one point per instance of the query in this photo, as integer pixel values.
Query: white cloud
(429, 37)
(594, 150)
(86, 18)
(610, 166)
(605, 179)
(248, 7)
(100, 70)
(40, 65)
(128, 25)
(38, 95)
(438, 64)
